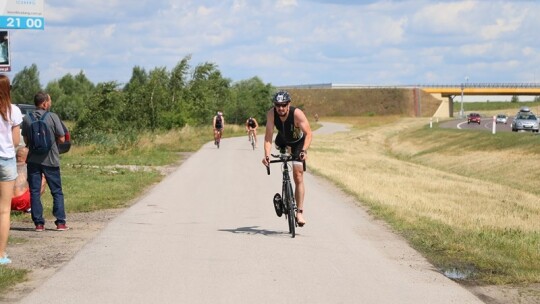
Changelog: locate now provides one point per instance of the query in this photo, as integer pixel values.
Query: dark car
(63, 147)
(26, 108)
(473, 117)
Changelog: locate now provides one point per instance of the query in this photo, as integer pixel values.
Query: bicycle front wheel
(292, 223)
(291, 216)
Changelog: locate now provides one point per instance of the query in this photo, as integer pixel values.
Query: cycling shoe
(278, 204)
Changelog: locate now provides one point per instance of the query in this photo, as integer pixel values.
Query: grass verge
(455, 195)
(466, 200)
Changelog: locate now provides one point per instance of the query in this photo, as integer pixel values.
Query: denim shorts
(8, 169)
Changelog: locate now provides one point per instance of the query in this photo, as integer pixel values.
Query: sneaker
(40, 228)
(61, 227)
(5, 260)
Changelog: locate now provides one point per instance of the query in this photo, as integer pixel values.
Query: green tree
(139, 77)
(515, 98)
(176, 116)
(25, 85)
(103, 116)
(250, 98)
(208, 92)
(159, 101)
(69, 95)
(136, 94)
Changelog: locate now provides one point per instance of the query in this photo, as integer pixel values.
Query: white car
(501, 118)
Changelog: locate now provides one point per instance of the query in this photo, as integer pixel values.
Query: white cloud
(528, 51)
(279, 41)
(375, 41)
(286, 3)
(476, 49)
(445, 17)
(500, 27)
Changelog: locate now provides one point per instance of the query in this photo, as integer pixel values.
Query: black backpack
(39, 138)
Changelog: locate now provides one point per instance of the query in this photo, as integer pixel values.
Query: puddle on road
(458, 274)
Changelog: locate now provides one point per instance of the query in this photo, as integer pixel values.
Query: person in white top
(10, 136)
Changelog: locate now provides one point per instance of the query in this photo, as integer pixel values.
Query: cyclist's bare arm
(302, 122)
(268, 136)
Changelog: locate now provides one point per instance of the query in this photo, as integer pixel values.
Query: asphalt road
(486, 124)
(208, 234)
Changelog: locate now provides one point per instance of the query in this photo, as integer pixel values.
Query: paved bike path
(208, 234)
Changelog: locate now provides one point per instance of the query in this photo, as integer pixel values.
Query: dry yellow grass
(364, 163)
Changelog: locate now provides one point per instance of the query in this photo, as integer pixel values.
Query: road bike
(285, 203)
(218, 138)
(252, 139)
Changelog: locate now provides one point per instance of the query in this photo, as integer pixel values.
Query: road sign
(22, 14)
(5, 60)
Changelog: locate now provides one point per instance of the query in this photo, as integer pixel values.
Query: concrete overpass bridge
(531, 89)
(447, 93)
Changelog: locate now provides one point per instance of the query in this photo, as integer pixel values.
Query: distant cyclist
(218, 124)
(251, 128)
(294, 132)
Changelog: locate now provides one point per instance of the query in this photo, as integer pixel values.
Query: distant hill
(364, 102)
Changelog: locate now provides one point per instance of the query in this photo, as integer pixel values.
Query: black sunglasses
(282, 105)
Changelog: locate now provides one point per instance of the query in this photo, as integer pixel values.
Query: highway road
(486, 124)
(208, 234)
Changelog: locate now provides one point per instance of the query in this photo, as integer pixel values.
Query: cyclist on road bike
(218, 124)
(251, 127)
(294, 132)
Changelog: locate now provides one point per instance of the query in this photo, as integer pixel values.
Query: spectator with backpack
(42, 131)
(10, 121)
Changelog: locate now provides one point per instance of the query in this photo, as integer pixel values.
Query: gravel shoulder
(45, 252)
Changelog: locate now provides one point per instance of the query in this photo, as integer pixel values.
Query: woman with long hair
(10, 136)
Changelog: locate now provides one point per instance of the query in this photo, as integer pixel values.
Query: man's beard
(284, 114)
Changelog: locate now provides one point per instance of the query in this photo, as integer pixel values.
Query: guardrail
(482, 85)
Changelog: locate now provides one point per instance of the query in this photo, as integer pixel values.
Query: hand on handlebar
(266, 161)
(302, 156)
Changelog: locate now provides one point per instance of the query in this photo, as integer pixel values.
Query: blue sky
(289, 42)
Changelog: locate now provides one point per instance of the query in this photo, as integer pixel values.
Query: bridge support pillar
(451, 106)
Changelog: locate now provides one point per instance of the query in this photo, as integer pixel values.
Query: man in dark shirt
(218, 124)
(251, 128)
(294, 132)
